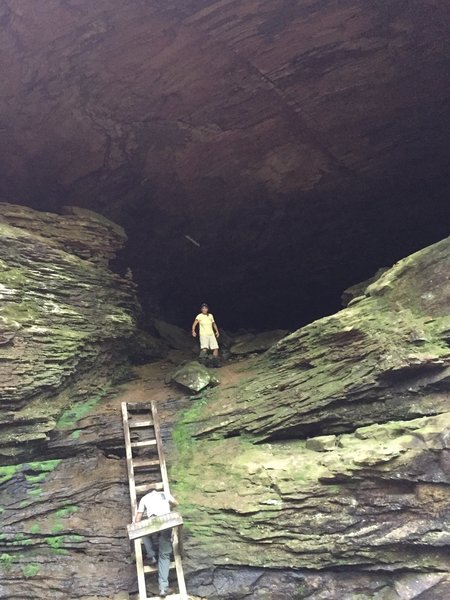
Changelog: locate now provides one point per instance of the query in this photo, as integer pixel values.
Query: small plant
(46, 465)
(30, 570)
(36, 478)
(55, 541)
(66, 511)
(6, 560)
(7, 473)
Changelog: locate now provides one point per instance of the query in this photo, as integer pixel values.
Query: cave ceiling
(313, 127)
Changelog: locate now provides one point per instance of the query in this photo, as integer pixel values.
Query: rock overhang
(299, 136)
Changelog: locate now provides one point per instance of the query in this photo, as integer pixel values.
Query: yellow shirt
(206, 324)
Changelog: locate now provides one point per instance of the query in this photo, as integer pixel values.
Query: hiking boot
(215, 363)
(166, 592)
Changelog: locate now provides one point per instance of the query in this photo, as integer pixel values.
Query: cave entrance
(265, 263)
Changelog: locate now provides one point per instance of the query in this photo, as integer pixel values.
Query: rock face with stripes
(65, 318)
(333, 453)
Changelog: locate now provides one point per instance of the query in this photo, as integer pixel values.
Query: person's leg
(203, 350)
(165, 548)
(149, 550)
(215, 349)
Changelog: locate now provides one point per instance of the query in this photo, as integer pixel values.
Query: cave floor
(150, 384)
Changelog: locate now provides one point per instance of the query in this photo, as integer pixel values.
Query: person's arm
(140, 511)
(138, 517)
(194, 325)
(172, 501)
(216, 329)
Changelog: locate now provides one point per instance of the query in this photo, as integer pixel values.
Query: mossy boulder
(193, 377)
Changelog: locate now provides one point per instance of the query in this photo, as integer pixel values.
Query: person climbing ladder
(209, 333)
(157, 504)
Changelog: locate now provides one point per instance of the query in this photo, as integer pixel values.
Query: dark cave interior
(269, 268)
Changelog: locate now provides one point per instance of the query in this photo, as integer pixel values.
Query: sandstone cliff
(64, 319)
(331, 457)
(320, 472)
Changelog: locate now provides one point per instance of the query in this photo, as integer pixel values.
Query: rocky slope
(332, 457)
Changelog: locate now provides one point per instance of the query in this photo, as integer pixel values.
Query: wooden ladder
(147, 471)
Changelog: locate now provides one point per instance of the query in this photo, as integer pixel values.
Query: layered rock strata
(64, 319)
(332, 454)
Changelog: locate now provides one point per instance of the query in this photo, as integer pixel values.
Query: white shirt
(155, 504)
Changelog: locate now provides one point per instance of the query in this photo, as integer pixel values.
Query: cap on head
(204, 305)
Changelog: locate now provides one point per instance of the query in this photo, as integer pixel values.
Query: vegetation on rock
(333, 454)
(65, 320)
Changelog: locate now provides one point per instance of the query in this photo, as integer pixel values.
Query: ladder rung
(142, 444)
(148, 423)
(150, 486)
(169, 597)
(155, 569)
(138, 405)
(138, 464)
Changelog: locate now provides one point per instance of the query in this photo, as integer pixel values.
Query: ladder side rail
(177, 532)
(162, 460)
(142, 586)
(165, 480)
(129, 457)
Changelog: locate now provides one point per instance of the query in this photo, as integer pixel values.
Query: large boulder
(194, 377)
(248, 343)
(144, 348)
(174, 336)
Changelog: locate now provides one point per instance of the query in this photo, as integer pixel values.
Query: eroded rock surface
(320, 472)
(256, 342)
(264, 486)
(65, 318)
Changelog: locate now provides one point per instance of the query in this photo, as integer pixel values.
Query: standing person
(158, 504)
(209, 333)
